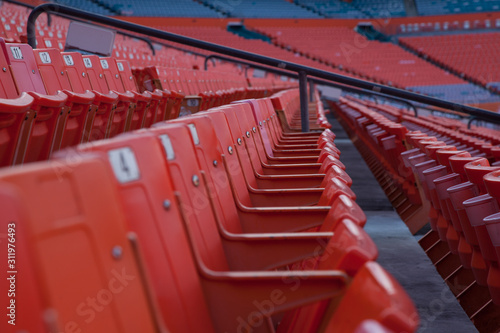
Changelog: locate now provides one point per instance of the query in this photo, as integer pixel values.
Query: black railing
(312, 80)
(303, 71)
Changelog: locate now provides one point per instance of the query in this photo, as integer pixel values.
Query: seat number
(45, 57)
(124, 164)
(87, 62)
(104, 64)
(16, 52)
(68, 60)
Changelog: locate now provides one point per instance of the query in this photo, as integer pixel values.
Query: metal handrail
(304, 71)
(317, 81)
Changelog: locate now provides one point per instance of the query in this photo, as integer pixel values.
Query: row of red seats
(288, 100)
(220, 221)
(51, 99)
(13, 20)
(452, 175)
(472, 55)
(381, 141)
(378, 62)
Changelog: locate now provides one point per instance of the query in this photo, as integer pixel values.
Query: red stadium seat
(51, 110)
(106, 100)
(79, 103)
(16, 117)
(73, 237)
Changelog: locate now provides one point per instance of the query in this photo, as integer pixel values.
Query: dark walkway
(399, 252)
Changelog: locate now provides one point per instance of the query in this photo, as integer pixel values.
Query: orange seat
(258, 196)
(55, 78)
(378, 296)
(142, 154)
(16, 116)
(157, 105)
(50, 110)
(123, 113)
(106, 100)
(74, 237)
(80, 122)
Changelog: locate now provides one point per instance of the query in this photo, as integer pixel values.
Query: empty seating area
(386, 63)
(221, 36)
(262, 9)
(381, 8)
(147, 189)
(94, 98)
(332, 8)
(98, 7)
(473, 56)
(432, 7)
(185, 8)
(62, 99)
(436, 166)
(263, 231)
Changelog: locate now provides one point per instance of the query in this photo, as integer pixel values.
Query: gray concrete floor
(399, 252)
(402, 256)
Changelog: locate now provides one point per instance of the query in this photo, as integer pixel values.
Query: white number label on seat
(16, 52)
(87, 62)
(124, 164)
(104, 64)
(45, 57)
(68, 60)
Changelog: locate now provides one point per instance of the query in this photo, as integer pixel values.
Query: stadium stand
(376, 61)
(473, 56)
(141, 191)
(333, 9)
(430, 7)
(262, 9)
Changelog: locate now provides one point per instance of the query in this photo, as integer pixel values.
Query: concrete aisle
(402, 256)
(399, 252)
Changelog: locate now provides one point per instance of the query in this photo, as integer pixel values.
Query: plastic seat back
(476, 170)
(77, 238)
(376, 295)
(95, 74)
(15, 118)
(7, 84)
(209, 151)
(51, 112)
(138, 162)
(25, 68)
(126, 75)
(185, 175)
(51, 66)
(237, 171)
(111, 73)
(251, 152)
(77, 72)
